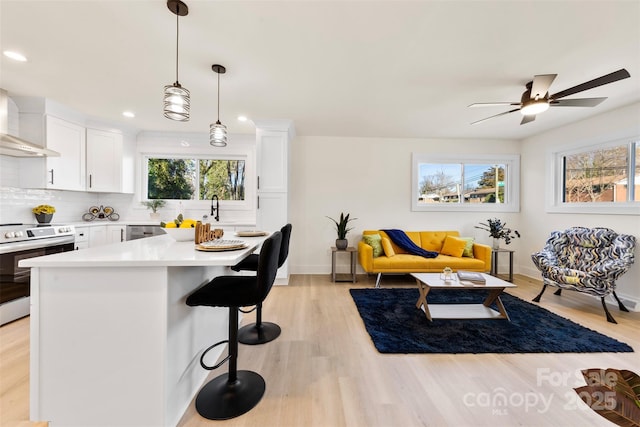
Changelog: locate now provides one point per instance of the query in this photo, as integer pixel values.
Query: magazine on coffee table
(471, 276)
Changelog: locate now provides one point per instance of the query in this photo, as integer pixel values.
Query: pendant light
(218, 131)
(177, 102)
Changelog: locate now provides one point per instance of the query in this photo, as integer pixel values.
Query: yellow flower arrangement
(43, 209)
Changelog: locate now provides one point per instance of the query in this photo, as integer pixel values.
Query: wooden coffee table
(428, 281)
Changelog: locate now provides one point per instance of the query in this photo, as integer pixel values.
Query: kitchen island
(112, 341)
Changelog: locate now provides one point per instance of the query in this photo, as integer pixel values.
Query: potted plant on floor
(342, 227)
(43, 213)
(154, 205)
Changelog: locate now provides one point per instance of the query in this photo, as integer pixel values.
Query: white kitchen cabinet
(271, 213)
(272, 149)
(104, 161)
(272, 153)
(82, 238)
(97, 235)
(115, 233)
(66, 172)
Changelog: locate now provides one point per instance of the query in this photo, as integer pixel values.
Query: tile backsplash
(16, 204)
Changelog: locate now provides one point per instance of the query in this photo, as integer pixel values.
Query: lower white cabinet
(105, 234)
(97, 235)
(82, 238)
(115, 233)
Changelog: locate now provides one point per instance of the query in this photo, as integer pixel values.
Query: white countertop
(98, 222)
(150, 252)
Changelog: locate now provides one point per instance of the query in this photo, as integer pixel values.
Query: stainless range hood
(12, 145)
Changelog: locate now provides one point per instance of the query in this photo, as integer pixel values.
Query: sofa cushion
(415, 263)
(433, 240)
(468, 248)
(453, 246)
(413, 235)
(375, 241)
(387, 248)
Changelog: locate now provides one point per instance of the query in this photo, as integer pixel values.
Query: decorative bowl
(181, 234)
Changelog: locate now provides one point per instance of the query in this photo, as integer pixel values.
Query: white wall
(371, 179)
(618, 124)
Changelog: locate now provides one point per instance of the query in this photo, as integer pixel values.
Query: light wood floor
(324, 371)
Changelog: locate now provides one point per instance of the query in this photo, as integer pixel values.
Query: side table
(350, 250)
(494, 261)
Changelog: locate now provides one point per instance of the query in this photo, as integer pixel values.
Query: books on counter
(471, 276)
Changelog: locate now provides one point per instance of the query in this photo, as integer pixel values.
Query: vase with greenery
(154, 205)
(342, 228)
(499, 231)
(44, 213)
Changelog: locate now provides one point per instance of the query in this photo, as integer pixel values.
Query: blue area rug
(397, 326)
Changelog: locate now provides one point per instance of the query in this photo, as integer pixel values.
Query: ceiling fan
(536, 98)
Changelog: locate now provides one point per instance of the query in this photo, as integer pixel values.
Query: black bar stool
(236, 392)
(261, 332)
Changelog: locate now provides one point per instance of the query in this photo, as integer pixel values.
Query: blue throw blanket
(401, 239)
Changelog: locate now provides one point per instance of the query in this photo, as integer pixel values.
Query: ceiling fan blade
(497, 115)
(527, 119)
(580, 102)
(541, 84)
(609, 78)
(492, 104)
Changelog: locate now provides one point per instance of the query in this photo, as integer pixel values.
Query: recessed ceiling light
(185, 143)
(242, 118)
(16, 56)
(129, 114)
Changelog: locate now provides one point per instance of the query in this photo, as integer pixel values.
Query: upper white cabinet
(91, 159)
(272, 149)
(104, 161)
(66, 172)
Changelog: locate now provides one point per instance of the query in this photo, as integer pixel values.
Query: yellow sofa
(402, 262)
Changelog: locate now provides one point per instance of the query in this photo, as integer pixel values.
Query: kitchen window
(597, 179)
(189, 178)
(484, 183)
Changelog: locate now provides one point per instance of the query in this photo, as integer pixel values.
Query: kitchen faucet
(215, 210)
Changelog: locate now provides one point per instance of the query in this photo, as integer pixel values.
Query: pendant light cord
(218, 96)
(177, 39)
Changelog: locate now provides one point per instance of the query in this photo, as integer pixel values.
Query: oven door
(14, 280)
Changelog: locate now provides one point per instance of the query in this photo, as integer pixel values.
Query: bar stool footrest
(221, 399)
(217, 365)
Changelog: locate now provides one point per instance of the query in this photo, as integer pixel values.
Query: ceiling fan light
(218, 134)
(534, 107)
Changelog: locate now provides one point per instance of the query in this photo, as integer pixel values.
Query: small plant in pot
(342, 227)
(43, 213)
(154, 205)
(498, 230)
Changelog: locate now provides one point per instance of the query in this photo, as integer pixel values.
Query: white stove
(21, 241)
(26, 236)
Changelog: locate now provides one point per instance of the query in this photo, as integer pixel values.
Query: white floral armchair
(588, 260)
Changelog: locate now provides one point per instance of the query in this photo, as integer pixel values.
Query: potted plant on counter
(154, 205)
(342, 227)
(43, 213)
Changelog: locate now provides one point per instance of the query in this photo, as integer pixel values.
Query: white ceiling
(340, 68)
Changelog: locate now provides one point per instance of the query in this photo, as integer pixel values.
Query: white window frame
(512, 182)
(246, 154)
(555, 183)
